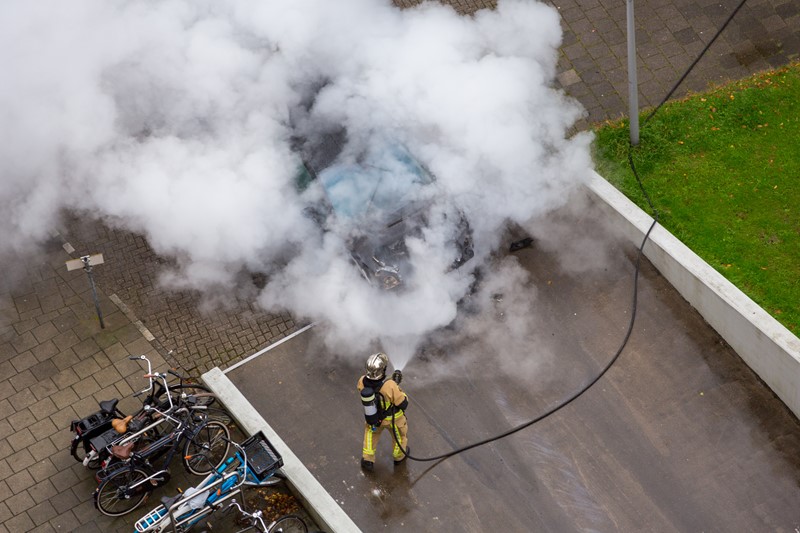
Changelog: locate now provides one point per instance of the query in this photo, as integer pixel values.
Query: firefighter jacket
(394, 399)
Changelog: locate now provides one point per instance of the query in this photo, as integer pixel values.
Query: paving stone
(20, 522)
(86, 348)
(24, 342)
(24, 361)
(5, 514)
(26, 303)
(66, 339)
(43, 388)
(42, 470)
(41, 491)
(44, 332)
(64, 501)
(21, 419)
(23, 380)
(20, 460)
(42, 429)
(41, 513)
(63, 417)
(86, 368)
(65, 321)
(85, 388)
(116, 352)
(20, 439)
(22, 400)
(64, 479)
(6, 389)
(44, 528)
(43, 409)
(21, 326)
(64, 397)
(44, 351)
(20, 481)
(19, 503)
(5, 491)
(65, 521)
(5, 451)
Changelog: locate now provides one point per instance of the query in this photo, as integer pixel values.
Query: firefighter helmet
(376, 365)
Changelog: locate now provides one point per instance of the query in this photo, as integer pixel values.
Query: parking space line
(268, 348)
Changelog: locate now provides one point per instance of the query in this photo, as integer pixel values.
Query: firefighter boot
(369, 466)
(402, 460)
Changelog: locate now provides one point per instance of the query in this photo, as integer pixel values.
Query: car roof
(381, 181)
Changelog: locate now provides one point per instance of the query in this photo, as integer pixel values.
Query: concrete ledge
(322, 507)
(766, 346)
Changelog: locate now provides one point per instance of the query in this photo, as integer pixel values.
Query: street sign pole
(633, 83)
(86, 262)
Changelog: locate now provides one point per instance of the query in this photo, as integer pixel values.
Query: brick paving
(200, 337)
(56, 363)
(669, 34)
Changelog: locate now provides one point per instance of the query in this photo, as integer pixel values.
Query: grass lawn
(723, 170)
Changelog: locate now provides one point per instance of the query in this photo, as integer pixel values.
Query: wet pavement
(679, 435)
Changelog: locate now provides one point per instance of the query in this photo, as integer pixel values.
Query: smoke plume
(176, 119)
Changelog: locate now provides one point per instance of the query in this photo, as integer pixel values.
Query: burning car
(378, 197)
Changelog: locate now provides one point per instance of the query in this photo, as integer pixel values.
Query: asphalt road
(679, 435)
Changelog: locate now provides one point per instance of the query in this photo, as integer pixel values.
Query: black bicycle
(98, 430)
(129, 476)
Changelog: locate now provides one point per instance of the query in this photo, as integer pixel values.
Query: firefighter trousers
(371, 437)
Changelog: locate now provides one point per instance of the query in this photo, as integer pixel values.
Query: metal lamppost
(633, 84)
(86, 262)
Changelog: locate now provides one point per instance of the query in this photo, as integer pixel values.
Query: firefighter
(380, 408)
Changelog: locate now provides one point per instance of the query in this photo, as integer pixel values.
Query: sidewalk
(55, 364)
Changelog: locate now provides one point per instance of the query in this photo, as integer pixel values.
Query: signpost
(633, 84)
(86, 262)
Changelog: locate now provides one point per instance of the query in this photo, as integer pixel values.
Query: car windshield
(382, 184)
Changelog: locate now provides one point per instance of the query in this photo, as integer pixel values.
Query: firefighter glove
(397, 376)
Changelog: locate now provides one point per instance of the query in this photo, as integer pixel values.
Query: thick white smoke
(175, 119)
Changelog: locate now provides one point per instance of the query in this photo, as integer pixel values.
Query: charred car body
(377, 197)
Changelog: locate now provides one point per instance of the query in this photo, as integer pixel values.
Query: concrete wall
(767, 347)
(316, 500)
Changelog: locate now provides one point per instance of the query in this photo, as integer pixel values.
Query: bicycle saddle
(121, 424)
(169, 501)
(108, 406)
(122, 452)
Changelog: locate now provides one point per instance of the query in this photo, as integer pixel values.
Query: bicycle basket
(263, 459)
(91, 423)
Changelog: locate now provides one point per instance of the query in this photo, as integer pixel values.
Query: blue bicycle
(254, 464)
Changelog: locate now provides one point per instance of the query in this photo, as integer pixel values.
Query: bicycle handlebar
(254, 516)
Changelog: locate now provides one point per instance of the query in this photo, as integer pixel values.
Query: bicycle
(129, 476)
(289, 523)
(99, 425)
(255, 463)
(146, 427)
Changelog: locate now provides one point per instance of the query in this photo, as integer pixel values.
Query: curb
(765, 345)
(321, 505)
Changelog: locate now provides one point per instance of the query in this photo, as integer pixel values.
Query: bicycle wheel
(207, 448)
(291, 523)
(114, 498)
